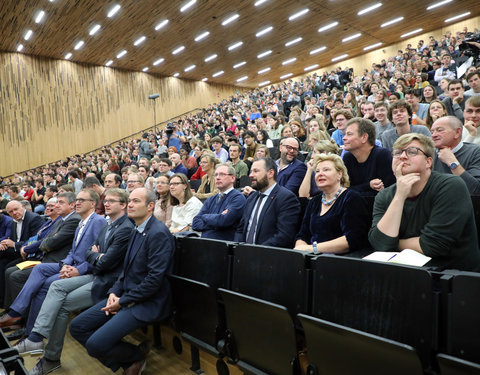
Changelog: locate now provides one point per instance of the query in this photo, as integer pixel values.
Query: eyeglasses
(222, 174)
(175, 183)
(162, 183)
(133, 182)
(81, 200)
(110, 201)
(410, 151)
(290, 148)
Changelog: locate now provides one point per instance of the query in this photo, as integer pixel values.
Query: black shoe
(16, 335)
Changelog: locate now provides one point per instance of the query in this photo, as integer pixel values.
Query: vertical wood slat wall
(50, 108)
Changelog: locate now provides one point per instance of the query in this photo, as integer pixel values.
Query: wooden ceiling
(66, 22)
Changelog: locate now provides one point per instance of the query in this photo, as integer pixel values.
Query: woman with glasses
(185, 205)
(163, 207)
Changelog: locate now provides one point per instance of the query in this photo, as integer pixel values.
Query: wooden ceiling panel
(67, 22)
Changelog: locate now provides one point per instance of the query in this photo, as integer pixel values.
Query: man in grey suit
(77, 293)
(54, 247)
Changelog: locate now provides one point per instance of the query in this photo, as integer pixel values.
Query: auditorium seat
(455, 366)
(10, 360)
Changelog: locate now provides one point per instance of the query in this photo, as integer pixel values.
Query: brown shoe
(136, 368)
(7, 320)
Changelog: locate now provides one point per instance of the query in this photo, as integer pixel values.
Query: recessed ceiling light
(260, 2)
(201, 36)
(230, 19)
(145, 69)
(263, 54)
(391, 22)
(298, 14)
(311, 67)
(341, 57)
(317, 50)
(19, 47)
(264, 70)
(79, 45)
(176, 75)
(113, 11)
(457, 17)
(161, 24)
(351, 37)
(109, 62)
(204, 79)
(264, 31)
(211, 57)
(28, 34)
(264, 83)
(187, 5)
(242, 78)
(159, 61)
(188, 68)
(293, 41)
(219, 73)
(372, 46)
(369, 9)
(68, 56)
(94, 29)
(289, 61)
(121, 54)
(238, 65)
(286, 75)
(178, 50)
(40, 16)
(140, 40)
(410, 33)
(236, 45)
(439, 4)
(327, 27)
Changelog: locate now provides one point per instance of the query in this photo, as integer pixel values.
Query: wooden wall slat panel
(53, 108)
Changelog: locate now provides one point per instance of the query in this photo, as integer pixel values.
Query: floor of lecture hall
(76, 361)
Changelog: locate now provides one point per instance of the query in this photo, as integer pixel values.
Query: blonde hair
(337, 163)
(406, 139)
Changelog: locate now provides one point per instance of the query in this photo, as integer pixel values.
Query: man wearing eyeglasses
(425, 211)
(221, 213)
(35, 289)
(291, 171)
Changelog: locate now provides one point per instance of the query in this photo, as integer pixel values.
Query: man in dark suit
(271, 213)
(221, 213)
(291, 171)
(35, 289)
(78, 293)
(54, 246)
(5, 226)
(140, 296)
(24, 225)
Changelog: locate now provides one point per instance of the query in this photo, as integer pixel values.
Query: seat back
(261, 334)
(455, 366)
(336, 349)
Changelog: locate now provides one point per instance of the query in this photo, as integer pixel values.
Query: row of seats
(260, 306)
(10, 360)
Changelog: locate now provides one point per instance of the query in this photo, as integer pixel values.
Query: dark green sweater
(442, 216)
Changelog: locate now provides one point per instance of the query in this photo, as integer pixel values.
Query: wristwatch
(453, 166)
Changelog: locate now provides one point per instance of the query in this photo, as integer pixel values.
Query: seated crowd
(289, 165)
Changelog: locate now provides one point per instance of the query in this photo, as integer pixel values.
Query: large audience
(289, 165)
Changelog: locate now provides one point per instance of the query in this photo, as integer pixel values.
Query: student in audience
(291, 171)
(473, 79)
(381, 115)
(425, 211)
(455, 101)
(139, 297)
(428, 94)
(472, 120)
(262, 152)
(453, 156)
(207, 187)
(271, 212)
(419, 110)
(436, 109)
(134, 181)
(241, 168)
(185, 204)
(221, 213)
(336, 221)
(340, 118)
(163, 207)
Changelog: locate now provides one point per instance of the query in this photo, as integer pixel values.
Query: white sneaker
(25, 346)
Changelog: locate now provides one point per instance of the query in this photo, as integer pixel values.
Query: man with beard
(291, 171)
(271, 213)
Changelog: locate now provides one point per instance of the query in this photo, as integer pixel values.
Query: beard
(260, 184)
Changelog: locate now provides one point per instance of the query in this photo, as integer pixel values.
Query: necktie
(253, 228)
(80, 231)
(220, 197)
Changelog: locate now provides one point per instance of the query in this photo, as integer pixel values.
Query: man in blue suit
(5, 226)
(271, 213)
(291, 171)
(140, 296)
(221, 213)
(35, 289)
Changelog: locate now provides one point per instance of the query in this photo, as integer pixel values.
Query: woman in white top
(185, 205)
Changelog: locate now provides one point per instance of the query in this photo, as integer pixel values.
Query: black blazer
(277, 222)
(31, 224)
(59, 241)
(109, 266)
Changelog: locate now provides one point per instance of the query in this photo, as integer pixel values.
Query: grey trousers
(64, 296)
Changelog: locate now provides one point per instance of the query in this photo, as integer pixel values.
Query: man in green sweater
(425, 211)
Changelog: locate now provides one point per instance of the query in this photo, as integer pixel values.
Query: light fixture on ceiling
(109, 62)
(113, 11)
(317, 50)
(369, 9)
(140, 40)
(176, 74)
(178, 50)
(161, 24)
(145, 69)
(457, 17)
(260, 2)
(79, 45)
(298, 14)
(159, 61)
(40, 16)
(293, 41)
(230, 19)
(219, 73)
(202, 36)
(238, 65)
(416, 31)
(439, 4)
(28, 35)
(264, 83)
(187, 5)
(351, 37)
(263, 54)
(286, 75)
(94, 29)
(311, 67)
(211, 57)
(327, 27)
(20, 48)
(372, 46)
(391, 22)
(68, 56)
(205, 79)
(121, 54)
(264, 70)
(242, 78)
(264, 31)
(341, 57)
(188, 68)
(235, 45)
(289, 61)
